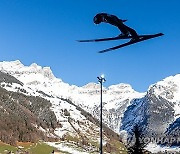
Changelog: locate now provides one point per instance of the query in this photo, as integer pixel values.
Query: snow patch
(154, 148)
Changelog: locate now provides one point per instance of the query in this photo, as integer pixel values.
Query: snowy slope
(157, 113)
(76, 126)
(169, 89)
(116, 98)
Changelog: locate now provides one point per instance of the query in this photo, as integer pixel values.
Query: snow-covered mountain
(116, 98)
(157, 111)
(69, 103)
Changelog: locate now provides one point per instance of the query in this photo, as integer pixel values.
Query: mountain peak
(91, 85)
(10, 66)
(168, 88)
(36, 72)
(34, 65)
(48, 73)
(17, 62)
(121, 87)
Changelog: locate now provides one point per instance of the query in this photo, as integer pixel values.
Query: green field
(32, 148)
(6, 148)
(43, 148)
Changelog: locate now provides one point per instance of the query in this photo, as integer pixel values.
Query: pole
(101, 80)
(101, 146)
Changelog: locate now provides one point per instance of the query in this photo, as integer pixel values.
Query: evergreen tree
(137, 148)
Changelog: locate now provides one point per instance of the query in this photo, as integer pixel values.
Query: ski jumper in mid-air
(115, 21)
(126, 32)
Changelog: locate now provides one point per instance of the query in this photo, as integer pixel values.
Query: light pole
(101, 79)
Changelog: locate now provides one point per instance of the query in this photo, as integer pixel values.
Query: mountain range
(54, 109)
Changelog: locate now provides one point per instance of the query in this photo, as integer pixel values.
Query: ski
(141, 38)
(106, 39)
(114, 38)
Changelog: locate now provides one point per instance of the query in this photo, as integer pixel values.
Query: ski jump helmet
(98, 18)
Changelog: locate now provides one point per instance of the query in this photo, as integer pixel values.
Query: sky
(45, 32)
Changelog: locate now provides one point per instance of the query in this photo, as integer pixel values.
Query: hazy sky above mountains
(45, 32)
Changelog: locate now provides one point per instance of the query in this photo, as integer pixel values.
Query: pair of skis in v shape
(132, 41)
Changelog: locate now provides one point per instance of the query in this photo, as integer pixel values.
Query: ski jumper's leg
(132, 32)
(123, 29)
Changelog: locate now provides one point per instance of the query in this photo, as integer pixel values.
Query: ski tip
(85, 40)
(160, 34)
(79, 40)
(106, 50)
(102, 51)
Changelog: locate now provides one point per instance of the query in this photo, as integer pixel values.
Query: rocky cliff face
(157, 113)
